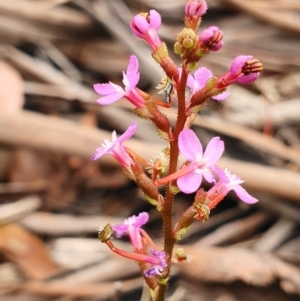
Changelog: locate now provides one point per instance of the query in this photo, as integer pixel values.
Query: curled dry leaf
(27, 251)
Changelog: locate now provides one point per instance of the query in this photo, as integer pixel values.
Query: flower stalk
(183, 165)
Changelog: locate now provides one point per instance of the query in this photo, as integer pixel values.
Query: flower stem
(167, 212)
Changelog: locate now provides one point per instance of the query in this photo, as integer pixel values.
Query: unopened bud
(186, 40)
(252, 66)
(212, 38)
(194, 10)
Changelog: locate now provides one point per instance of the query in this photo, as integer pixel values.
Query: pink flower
(199, 162)
(212, 38)
(115, 147)
(232, 182)
(195, 8)
(145, 26)
(131, 227)
(226, 182)
(111, 92)
(198, 82)
(237, 67)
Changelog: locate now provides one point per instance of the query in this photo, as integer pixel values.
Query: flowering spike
(169, 169)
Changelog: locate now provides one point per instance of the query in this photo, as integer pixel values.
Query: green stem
(167, 212)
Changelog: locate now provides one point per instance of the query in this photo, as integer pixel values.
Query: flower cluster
(168, 168)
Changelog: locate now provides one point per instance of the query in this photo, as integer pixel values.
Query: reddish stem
(167, 211)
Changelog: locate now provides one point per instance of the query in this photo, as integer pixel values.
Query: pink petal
(141, 219)
(248, 79)
(106, 100)
(134, 29)
(190, 81)
(155, 19)
(141, 24)
(221, 96)
(214, 150)
(209, 177)
(189, 145)
(202, 75)
(120, 229)
(128, 133)
(131, 82)
(190, 182)
(190, 8)
(220, 174)
(202, 9)
(208, 33)
(104, 89)
(135, 98)
(239, 62)
(100, 152)
(133, 67)
(244, 195)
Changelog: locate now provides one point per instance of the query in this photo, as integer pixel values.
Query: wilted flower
(157, 269)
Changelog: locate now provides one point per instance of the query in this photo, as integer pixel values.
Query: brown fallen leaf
(27, 251)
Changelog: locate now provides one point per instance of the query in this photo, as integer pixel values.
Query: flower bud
(186, 40)
(145, 26)
(244, 70)
(212, 38)
(194, 10)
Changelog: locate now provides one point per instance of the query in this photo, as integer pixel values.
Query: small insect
(168, 91)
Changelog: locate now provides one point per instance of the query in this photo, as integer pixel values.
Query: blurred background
(53, 198)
